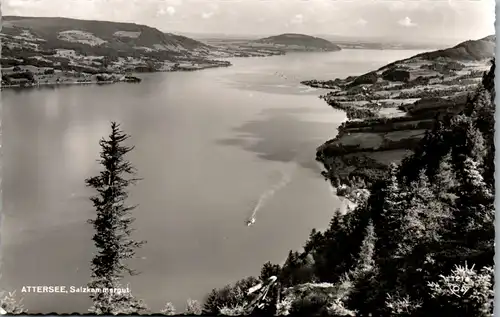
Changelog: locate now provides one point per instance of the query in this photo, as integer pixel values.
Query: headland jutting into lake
(390, 109)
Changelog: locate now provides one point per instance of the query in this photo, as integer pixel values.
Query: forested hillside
(420, 244)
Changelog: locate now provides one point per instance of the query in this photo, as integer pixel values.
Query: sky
(404, 19)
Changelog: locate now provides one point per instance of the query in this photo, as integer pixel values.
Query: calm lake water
(209, 145)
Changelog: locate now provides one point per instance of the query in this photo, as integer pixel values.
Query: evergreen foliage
(113, 229)
(168, 310)
(193, 307)
(230, 296)
(10, 305)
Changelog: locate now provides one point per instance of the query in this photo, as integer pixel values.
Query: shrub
(402, 306)
(10, 305)
(193, 307)
(168, 310)
(465, 291)
(237, 310)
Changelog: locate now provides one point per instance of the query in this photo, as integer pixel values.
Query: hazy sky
(410, 19)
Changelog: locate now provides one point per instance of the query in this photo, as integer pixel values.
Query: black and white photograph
(248, 157)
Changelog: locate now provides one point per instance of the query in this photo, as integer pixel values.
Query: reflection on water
(281, 135)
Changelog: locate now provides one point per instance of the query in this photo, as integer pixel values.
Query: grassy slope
(365, 148)
(49, 28)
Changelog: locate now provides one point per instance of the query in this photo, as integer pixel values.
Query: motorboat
(250, 221)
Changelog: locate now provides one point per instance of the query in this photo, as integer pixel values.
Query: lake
(210, 146)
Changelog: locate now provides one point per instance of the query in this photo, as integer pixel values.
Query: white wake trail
(267, 195)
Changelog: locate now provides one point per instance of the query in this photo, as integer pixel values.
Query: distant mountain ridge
(101, 36)
(300, 40)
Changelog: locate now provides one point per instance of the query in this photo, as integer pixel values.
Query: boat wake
(266, 196)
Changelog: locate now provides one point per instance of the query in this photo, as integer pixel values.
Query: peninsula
(44, 50)
(390, 109)
(273, 45)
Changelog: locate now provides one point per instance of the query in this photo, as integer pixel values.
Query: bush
(233, 311)
(311, 305)
(402, 306)
(464, 291)
(193, 307)
(168, 310)
(117, 303)
(284, 307)
(10, 305)
(229, 296)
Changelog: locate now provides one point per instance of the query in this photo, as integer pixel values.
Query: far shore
(51, 80)
(60, 84)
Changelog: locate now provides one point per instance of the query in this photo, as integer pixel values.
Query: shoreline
(60, 84)
(180, 66)
(389, 111)
(107, 82)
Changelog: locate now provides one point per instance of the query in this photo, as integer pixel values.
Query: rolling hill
(391, 108)
(100, 37)
(473, 50)
(299, 42)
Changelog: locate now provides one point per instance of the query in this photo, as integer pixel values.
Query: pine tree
(428, 153)
(475, 203)
(388, 221)
(330, 251)
(474, 213)
(388, 208)
(366, 260)
(482, 111)
(315, 241)
(268, 270)
(445, 180)
(290, 269)
(489, 78)
(419, 219)
(363, 293)
(422, 227)
(112, 224)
